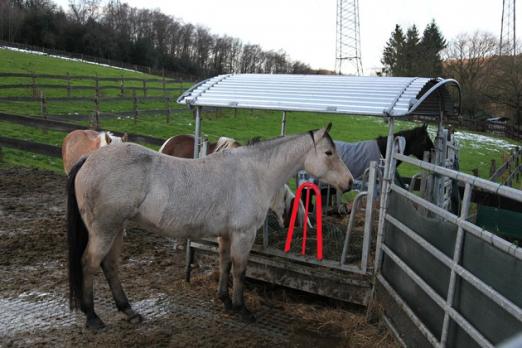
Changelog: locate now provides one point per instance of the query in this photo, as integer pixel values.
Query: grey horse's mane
(259, 142)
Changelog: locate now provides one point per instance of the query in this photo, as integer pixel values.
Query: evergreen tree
(412, 52)
(410, 55)
(392, 57)
(432, 44)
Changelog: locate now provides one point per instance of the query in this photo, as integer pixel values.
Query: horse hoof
(136, 318)
(227, 303)
(95, 324)
(247, 316)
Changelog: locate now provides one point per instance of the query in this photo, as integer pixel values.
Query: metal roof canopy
(353, 95)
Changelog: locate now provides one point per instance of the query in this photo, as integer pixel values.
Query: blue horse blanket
(357, 156)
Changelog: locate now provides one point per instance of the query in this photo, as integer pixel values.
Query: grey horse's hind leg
(110, 266)
(97, 248)
(239, 250)
(225, 264)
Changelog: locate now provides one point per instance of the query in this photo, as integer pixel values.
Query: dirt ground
(33, 289)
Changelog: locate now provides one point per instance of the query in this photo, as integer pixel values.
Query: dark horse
(359, 155)
(418, 141)
(183, 146)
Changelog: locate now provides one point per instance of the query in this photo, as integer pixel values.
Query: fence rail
(31, 146)
(511, 168)
(506, 130)
(67, 127)
(167, 92)
(89, 77)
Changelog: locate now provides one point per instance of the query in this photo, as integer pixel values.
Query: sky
(305, 29)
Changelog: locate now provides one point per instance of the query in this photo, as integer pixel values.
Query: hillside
(476, 149)
(19, 61)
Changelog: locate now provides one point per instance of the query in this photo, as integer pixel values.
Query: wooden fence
(509, 171)
(139, 94)
(96, 87)
(68, 127)
(506, 130)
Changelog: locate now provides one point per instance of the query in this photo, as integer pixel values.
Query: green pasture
(477, 150)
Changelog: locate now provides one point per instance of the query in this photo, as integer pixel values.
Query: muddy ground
(33, 289)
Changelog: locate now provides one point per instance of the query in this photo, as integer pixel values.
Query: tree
(412, 52)
(410, 55)
(431, 46)
(83, 10)
(470, 60)
(138, 36)
(392, 57)
(506, 87)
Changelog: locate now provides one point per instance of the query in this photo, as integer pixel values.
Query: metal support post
(283, 124)
(197, 132)
(386, 182)
(197, 139)
(456, 259)
(368, 218)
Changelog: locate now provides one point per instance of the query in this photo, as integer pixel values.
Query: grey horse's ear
(107, 138)
(320, 133)
(125, 138)
(328, 127)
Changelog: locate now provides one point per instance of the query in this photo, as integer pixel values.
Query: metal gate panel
(441, 279)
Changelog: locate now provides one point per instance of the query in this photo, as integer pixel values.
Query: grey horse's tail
(77, 238)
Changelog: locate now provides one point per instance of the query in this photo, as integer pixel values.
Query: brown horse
(183, 146)
(81, 143)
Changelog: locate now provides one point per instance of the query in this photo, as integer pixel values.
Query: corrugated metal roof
(394, 96)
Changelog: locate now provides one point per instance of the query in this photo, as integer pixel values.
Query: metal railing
(453, 263)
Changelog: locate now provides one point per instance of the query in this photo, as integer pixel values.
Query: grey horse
(226, 195)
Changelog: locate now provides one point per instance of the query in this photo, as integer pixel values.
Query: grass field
(477, 150)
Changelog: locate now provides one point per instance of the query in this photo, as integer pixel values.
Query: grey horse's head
(324, 163)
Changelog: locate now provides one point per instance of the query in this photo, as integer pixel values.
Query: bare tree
(470, 60)
(506, 87)
(83, 10)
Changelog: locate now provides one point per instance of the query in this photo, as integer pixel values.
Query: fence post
(33, 85)
(122, 86)
(517, 163)
(43, 105)
(135, 105)
(163, 83)
(492, 168)
(167, 100)
(97, 112)
(145, 88)
(97, 86)
(68, 85)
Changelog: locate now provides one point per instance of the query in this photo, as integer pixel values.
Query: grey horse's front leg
(225, 263)
(239, 250)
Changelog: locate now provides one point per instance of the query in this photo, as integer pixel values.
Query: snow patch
(479, 141)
